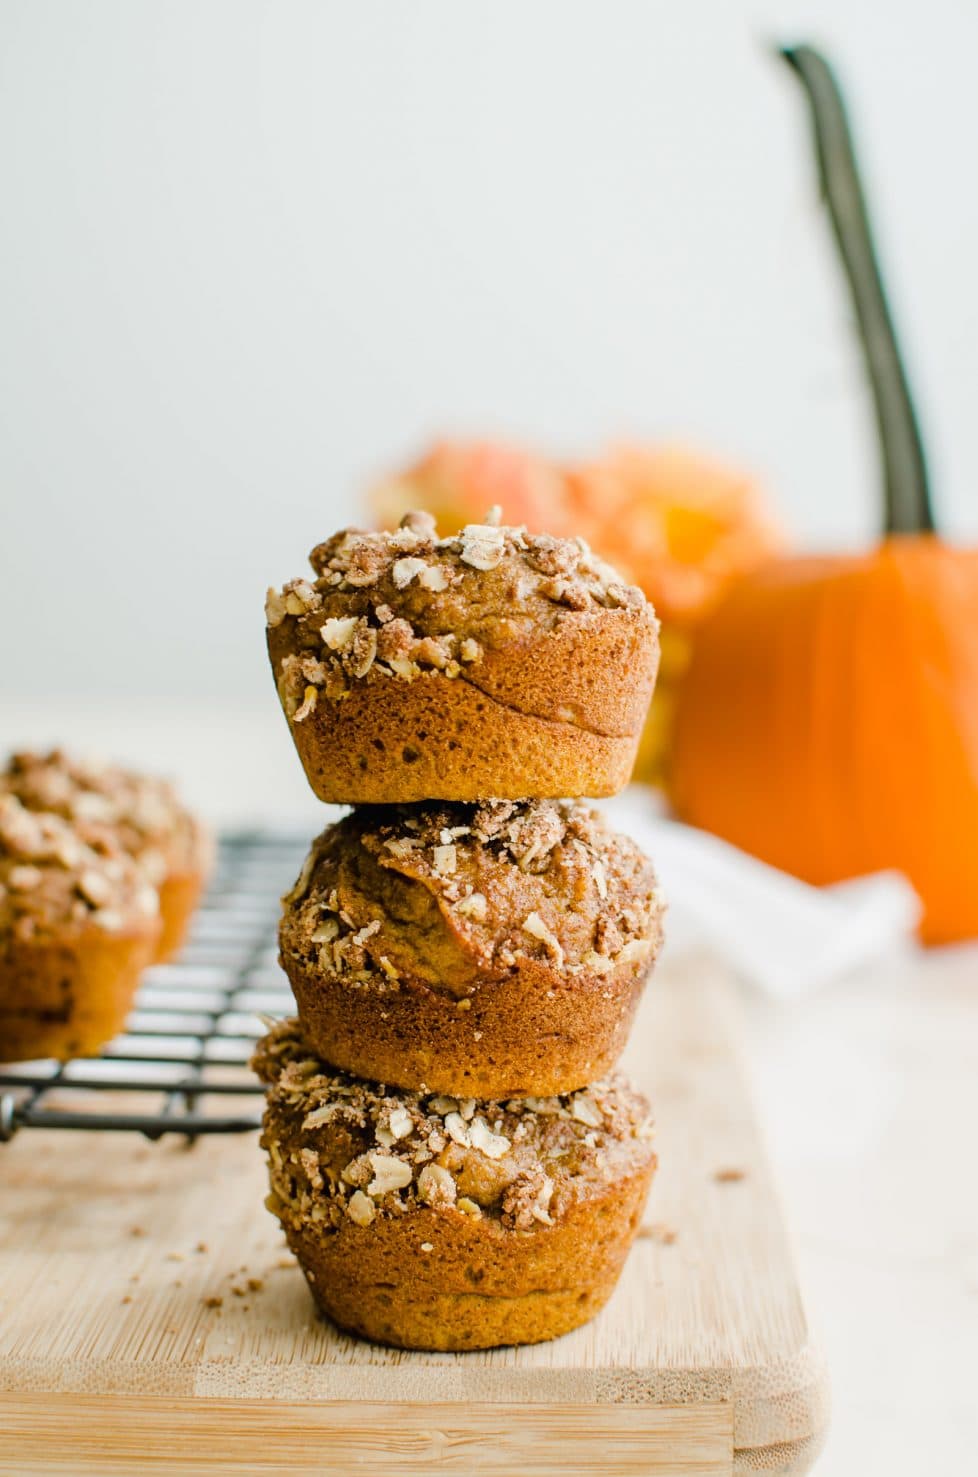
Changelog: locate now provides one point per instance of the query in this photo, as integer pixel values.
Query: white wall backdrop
(253, 253)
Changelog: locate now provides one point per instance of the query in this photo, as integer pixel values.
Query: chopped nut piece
(445, 860)
(361, 1208)
(389, 1174)
(470, 650)
(534, 925)
(585, 1110)
(469, 1207)
(25, 878)
(363, 649)
(427, 1246)
(307, 705)
(483, 546)
(420, 522)
(337, 632)
(473, 906)
(456, 1129)
(402, 846)
(275, 611)
(434, 577)
(401, 1123)
(436, 1185)
(495, 1145)
(109, 919)
(405, 570)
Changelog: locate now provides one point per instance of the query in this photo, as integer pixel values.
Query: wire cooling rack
(182, 1064)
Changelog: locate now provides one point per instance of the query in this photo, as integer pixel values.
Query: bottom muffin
(432, 1222)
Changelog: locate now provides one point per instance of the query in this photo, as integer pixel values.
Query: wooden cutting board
(151, 1320)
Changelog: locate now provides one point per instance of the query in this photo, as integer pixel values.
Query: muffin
(78, 923)
(138, 812)
(492, 663)
(432, 1222)
(492, 949)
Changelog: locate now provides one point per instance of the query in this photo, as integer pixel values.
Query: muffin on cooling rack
(491, 949)
(435, 1222)
(492, 663)
(138, 812)
(78, 923)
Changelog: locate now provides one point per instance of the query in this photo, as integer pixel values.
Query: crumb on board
(174, 1256)
(729, 1174)
(213, 1302)
(127, 1298)
(137, 1230)
(255, 1284)
(658, 1231)
(201, 1246)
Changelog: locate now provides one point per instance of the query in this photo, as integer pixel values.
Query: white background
(252, 254)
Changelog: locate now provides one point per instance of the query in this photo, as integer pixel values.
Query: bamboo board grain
(115, 1356)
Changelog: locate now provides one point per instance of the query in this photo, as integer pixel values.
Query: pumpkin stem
(907, 495)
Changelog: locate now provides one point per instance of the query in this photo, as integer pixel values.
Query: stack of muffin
(452, 1157)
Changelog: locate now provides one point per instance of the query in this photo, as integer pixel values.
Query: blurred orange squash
(683, 527)
(828, 722)
(457, 481)
(673, 521)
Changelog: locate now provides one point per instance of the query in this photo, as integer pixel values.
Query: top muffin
(493, 663)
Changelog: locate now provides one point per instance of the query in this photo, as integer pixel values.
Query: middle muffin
(496, 949)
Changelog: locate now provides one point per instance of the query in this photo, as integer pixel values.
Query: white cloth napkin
(779, 933)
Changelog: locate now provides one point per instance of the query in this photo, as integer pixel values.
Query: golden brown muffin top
(368, 1151)
(50, 879)
(141, 812)
(458, 895)
(400, 603)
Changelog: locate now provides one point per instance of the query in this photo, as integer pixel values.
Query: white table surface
(868, 1092)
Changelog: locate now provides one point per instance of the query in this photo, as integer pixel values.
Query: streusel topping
(399, 604)
(51, 878)
(344, 1148)
(139, 812)
(459, 895)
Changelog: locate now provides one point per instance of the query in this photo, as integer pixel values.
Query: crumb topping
(460, 895)
(50, 877)
(139, 812)
(344, 1148)
(400, 604)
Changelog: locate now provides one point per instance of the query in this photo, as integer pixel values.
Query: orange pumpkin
(682, 527)
(828, 722)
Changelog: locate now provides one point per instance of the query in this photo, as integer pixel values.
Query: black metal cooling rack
(182, 1064)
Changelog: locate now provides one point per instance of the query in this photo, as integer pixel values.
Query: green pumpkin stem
(907, 495)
